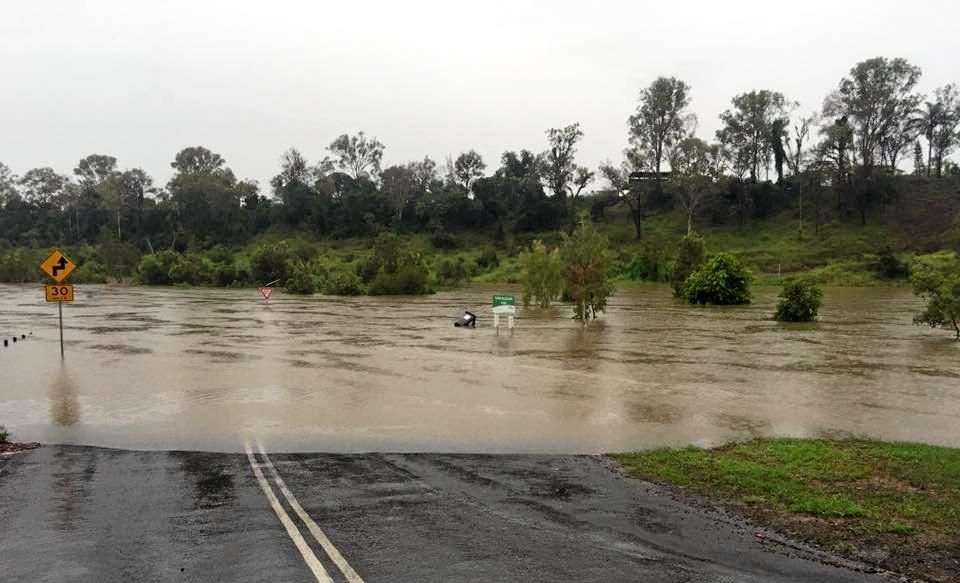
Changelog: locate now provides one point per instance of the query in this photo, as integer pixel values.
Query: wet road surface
(196, 369)
(71, 513)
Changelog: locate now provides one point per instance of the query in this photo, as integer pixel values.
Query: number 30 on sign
(60, 292)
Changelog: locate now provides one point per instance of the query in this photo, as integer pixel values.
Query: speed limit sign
(61, 292)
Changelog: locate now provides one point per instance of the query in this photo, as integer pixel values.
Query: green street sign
(504, 301)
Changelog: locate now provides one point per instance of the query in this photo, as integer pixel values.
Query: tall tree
(197, 161)
(559, 161)
(134, 185)
(399, 184)
(918, 167)
(754, 127)
(41, 186)
(8, 185)
(660, 121)
(692, 178)
(875, 97)
(358, 155)
(944, 137)
(468, 167)
(424, 173)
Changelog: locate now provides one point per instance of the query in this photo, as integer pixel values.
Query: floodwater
(203, 369)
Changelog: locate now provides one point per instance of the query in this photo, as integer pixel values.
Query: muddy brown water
(203, 369)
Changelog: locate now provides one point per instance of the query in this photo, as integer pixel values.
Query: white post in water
(503, 304)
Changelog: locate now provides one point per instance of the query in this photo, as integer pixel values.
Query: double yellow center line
(295, 535)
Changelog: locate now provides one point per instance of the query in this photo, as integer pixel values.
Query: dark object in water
(469, 319)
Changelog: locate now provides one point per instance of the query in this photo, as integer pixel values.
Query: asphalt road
(71, 513)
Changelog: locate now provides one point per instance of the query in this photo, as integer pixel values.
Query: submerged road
(71, 513)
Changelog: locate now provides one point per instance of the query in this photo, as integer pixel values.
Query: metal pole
(60, 309)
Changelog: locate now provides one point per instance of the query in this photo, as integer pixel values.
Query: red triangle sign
(266, 292)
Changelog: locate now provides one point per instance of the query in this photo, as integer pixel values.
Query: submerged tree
(799, 301)
(938, 282)
(541, 275)
(586, 260)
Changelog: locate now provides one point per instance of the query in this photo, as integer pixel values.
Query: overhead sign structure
(266, 292)
(506, 305)
(58, 266)
(61, 292)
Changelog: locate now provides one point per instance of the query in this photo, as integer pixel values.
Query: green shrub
(586, 262)
(722, 281)
(154, 269)
(19, 266)
(691, 254)
(340, 282)
(190, 269)
(937, 280)
(90, 271)
(230, 273)
(4, 434)
(649, 264)
(301, 281)
(542, 275)
(799, 301)
(408, 279)
(442, 239)
(488, 259)
(452, 271)
(271, 263)
(888, 266)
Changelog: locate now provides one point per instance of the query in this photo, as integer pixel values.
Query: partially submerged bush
(587, 261)
(91, 271)
(271, 263)
(301, 281)
(691, 254)
(409, 279)
(154, 269)
(488, 258)
(938, 282)
(799, 301)
(721, 281)
(4, 434)
(340, 282)
(542, 275)
(889, 266)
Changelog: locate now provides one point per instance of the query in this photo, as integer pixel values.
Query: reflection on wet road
(201, 369)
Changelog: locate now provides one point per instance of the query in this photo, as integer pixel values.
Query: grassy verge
(895, 505)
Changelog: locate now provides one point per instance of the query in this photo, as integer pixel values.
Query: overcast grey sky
(140, 80)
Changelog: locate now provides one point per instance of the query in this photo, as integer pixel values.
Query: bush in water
(586, 262)
(722, 281)
(542, 275)
(938, 282)
(799, 301)
(271, 262)
(301, 280)
(341, 282)
(888, 266)
(4, 434)
(154, 269)
(408, 279)
(691, 254)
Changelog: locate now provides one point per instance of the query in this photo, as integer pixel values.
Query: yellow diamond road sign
(58, 266)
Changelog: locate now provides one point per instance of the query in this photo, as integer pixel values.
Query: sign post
(266, 291)
(58, 267)
(503, 304)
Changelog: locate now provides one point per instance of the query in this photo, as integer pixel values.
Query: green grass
(903, 498)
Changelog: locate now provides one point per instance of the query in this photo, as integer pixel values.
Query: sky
(141, 80)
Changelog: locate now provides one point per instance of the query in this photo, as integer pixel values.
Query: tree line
(768, 156)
